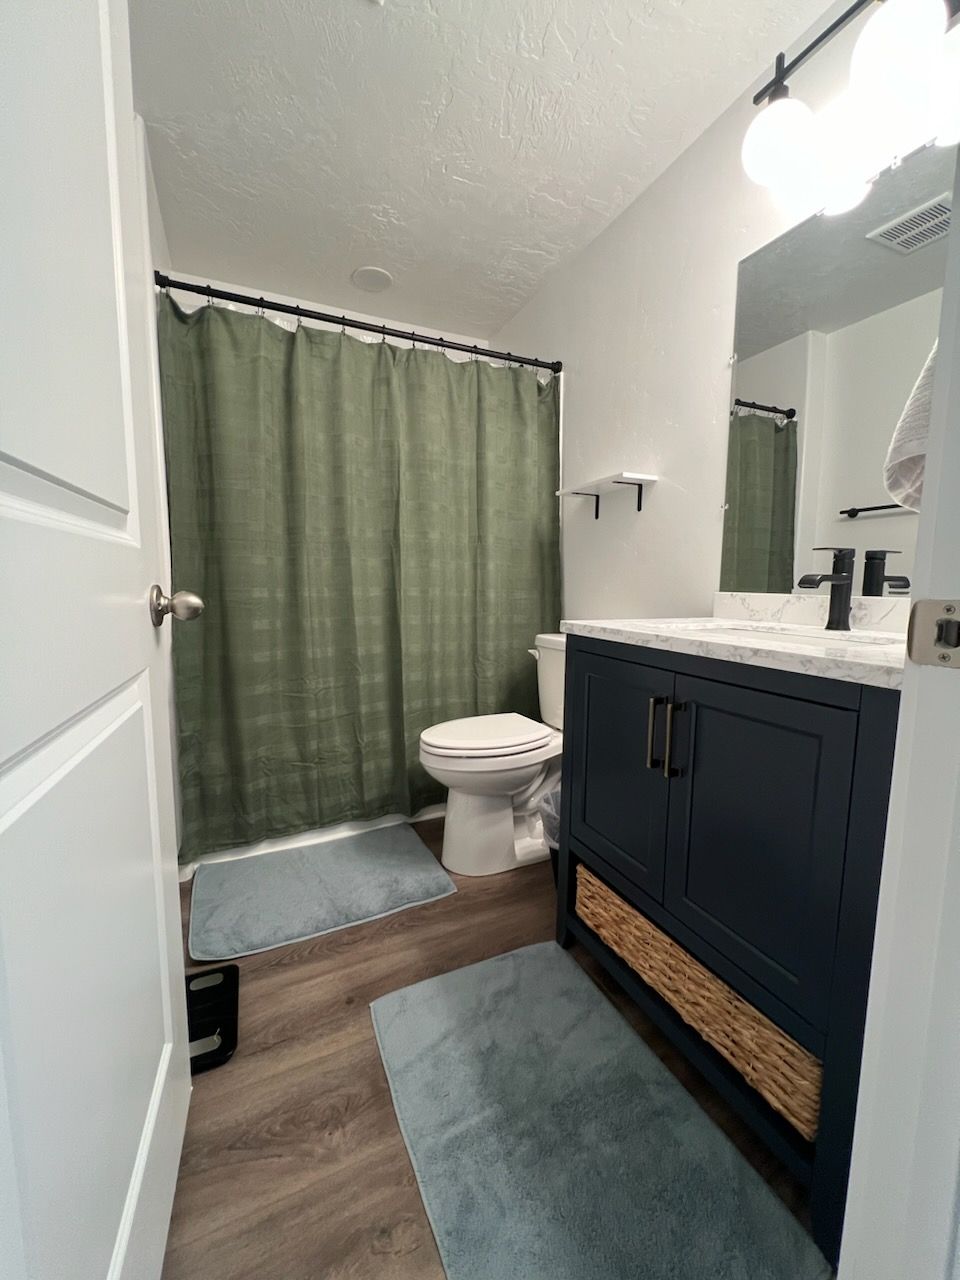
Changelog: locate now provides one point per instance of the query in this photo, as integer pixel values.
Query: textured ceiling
(467, 146)
(825, 274)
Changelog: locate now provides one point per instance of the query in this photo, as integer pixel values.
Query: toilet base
(483, 835)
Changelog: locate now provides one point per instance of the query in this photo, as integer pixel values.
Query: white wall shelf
(609, 484)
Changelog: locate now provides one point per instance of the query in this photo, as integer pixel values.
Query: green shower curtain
(758, 530)
(375, 533)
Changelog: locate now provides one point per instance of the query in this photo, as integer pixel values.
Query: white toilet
(497, 769)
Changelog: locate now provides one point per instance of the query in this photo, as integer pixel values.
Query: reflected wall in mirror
(834, 324)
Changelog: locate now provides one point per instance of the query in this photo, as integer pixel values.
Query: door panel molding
(618, 805)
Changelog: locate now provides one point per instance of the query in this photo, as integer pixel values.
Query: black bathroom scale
(213, 1004)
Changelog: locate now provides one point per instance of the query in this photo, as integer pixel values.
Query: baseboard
(317, 836)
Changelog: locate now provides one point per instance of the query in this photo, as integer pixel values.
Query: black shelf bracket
(638, 485)
(582, 493)
(591, 493)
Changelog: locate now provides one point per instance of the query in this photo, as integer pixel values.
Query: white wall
(159, 248)
(871, 368)
(643, 321)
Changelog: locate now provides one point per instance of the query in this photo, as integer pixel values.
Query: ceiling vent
(919, 227)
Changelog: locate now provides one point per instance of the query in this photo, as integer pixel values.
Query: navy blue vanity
(730, 817)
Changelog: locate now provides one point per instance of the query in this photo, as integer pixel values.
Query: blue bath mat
(548, 1140)
(265, 901)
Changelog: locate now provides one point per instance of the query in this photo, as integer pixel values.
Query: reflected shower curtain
(375, 533)
(758, 529)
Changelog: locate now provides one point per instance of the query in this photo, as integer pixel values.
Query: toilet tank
(551, 655)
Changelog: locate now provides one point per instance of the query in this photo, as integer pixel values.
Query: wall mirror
(835, 321)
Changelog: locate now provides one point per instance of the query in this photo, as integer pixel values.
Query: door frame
(901, 1221)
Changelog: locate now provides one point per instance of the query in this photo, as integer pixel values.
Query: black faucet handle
(879, 553)
(843, 558)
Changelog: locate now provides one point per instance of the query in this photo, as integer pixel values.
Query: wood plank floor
(293, 1166)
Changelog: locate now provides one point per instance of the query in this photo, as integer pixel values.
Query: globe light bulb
(852, 153)
(946, 93)
(891, 71)
(899, 33)
(780, 137)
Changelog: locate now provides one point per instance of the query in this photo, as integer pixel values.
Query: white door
(94, 1075)
(902, 1206)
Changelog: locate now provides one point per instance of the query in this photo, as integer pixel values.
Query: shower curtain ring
(383, 333)
(260, 307)
(209, 296)
(343, 326)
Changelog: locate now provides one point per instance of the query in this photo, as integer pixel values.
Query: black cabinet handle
(668, 770)
(651, 731)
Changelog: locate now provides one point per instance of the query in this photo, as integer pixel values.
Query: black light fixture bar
(785, 69)
(789, 414)
(344, 322)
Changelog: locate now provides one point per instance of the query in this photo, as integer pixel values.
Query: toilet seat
(505, 762)
(482, 737)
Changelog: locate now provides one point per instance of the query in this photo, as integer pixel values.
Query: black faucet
(875, 575)
(841, 586)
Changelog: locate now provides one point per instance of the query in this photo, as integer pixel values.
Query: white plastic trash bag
(550, 814)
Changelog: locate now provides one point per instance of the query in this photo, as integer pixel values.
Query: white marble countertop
(861, 657)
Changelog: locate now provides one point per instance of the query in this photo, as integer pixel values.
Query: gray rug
(265, 901)
(550, 1142)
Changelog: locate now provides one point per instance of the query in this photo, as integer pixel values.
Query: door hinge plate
(933, 636)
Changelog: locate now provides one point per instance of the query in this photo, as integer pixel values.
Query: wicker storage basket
(782, 1072)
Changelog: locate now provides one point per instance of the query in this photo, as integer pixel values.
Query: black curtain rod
(344, 322)
(789, 414)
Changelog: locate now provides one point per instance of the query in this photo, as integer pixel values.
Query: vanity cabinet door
(757, 832)
(618, 802)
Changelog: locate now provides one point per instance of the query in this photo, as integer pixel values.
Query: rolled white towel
(907, 456)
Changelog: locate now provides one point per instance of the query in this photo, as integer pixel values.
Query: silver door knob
(183, 605)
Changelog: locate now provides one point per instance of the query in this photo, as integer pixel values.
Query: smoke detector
(372, 279)
(920, 227)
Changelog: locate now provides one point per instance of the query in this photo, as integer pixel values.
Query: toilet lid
(487, 735)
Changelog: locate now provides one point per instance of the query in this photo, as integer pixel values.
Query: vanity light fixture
(904, 93)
